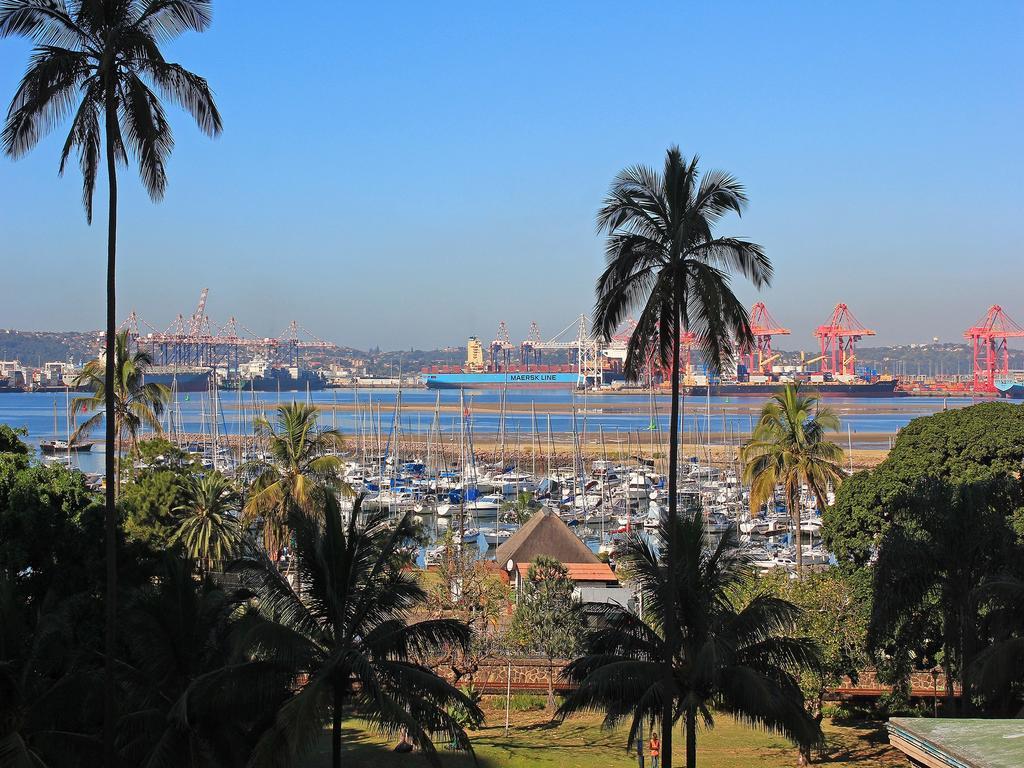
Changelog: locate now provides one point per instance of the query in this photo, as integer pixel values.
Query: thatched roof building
(546, 534)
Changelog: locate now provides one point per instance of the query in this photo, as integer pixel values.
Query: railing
(530, 675)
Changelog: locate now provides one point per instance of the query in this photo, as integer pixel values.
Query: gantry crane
(838, 338)
(759, 357)
(501, 349)
(991, 352)
(587, 347)
(529, 351)
(197, 342)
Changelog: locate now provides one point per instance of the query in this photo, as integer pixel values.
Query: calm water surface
(859, 416)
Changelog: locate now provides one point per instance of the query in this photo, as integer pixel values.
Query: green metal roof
(960, 743)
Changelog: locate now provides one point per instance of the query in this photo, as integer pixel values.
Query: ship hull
(1012, 389)
(182, 381)
(275, 384)
(824, 389)
(538, 380)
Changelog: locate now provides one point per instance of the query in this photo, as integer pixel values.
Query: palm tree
(664, 259)
(207, 526)
(301, 470)
(724, 658)
(136, 403)
(787, 448)
(345, 634)
(101, 54)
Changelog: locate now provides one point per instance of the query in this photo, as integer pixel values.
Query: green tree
(105, 55)
(947, 539)
(788, 447)
(724, 658)
(207, 525)
(548, 618)
(302, 470)
(521, 507)
(346, 636)
(958, 445)
(10, 440)
(468, 589)
(148, 501)
(664, 259)
(154, 490)
(834, 614)
(50, 531)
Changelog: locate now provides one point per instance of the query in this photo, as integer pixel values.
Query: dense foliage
(936, 528)
(206, 661)
(961, 445)
(834, 613)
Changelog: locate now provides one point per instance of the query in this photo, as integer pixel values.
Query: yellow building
(474, 355)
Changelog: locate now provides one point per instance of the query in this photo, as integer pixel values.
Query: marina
(479, 463)
(866, 423)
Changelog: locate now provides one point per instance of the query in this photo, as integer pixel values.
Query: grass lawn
(581, 743)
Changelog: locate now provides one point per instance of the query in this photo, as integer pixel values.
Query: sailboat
(56, 446)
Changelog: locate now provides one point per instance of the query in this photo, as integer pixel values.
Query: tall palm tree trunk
(336, 728)
(691, 738)
(110, 527)
(670, 555)
(794, 515)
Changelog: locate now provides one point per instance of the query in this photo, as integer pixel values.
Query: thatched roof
(545, 534)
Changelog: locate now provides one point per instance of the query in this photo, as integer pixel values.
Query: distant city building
(474, 355)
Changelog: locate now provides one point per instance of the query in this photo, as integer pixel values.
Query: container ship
(825, 388)
(181, 378)
(261, 377)
(456, 378)
(476, 375)
(1010, 385)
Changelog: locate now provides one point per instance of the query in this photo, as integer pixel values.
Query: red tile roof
(579, 572)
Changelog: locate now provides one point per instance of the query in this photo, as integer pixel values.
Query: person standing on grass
(640, 749)
(654, 749)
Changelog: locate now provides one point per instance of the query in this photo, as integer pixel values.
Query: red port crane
(758, 358)
(991, 353)
(838, 338)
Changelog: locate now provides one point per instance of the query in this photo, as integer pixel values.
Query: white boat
(638, 486)
(495, 535)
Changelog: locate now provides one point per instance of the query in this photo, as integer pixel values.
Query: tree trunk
(336, 728)
(794, 515)
(670, 554)
(110, 526)
(691, 738)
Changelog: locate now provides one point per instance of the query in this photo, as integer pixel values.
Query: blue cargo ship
(518, 379)
(1011, 386)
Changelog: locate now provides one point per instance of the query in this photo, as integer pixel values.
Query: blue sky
(407, 174)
